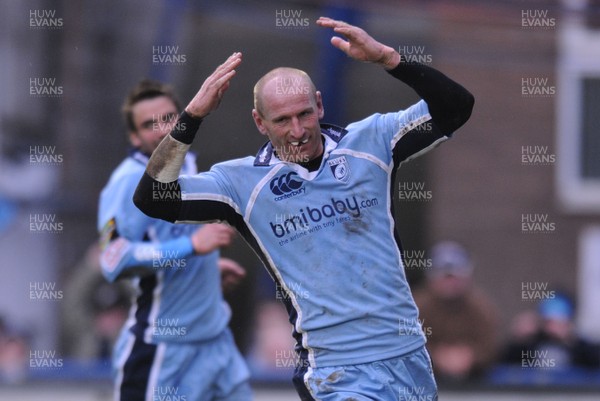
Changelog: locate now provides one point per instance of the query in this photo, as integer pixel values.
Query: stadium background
(537, 93)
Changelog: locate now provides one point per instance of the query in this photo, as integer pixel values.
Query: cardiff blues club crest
(340, 168)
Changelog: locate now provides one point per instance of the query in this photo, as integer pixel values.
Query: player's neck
(314, 164)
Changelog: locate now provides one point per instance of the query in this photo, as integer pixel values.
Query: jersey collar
(138, 156)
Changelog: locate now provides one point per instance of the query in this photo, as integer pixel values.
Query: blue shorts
(405, 378)
(211, 370)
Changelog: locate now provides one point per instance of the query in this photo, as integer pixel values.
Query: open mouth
(298, 143)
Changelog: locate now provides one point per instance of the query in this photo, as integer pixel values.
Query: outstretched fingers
(341, 27)
(359, 45)
(341, 44)
(211, 92)
(330, 22)
(223, 74)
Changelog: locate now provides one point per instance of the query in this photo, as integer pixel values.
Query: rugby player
(315, 204)
(176, 343)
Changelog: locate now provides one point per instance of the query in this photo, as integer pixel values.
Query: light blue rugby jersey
(327, 236)
(179, 295)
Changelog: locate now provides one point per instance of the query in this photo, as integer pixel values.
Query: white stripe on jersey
(121, 364)
(214, 197)
(425, 150)
(156, 293)
(363, 155)
(307, 375)
(257, 190)
(410, 125)
(155, 309)
(159, 356)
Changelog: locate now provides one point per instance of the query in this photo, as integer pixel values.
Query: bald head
(287, 109)
(281, 82)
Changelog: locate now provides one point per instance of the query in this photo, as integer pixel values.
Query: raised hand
(211, 236)
(211, 92)
(359, 44)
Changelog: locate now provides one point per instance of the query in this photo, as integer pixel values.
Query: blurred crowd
(466, 340)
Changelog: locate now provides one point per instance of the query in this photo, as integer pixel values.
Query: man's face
(290, 119)
(448, 285)
(153, 119)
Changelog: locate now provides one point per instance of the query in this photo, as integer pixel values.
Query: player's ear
(258, 120)
(320, 108)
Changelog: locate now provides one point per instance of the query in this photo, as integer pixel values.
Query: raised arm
(121, 258)
(449, 104)
(158, 194)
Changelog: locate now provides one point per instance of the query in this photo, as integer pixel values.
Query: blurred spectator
(272, 356)
(94, 310)
(13, 355)
(459, 320)
(546, 338)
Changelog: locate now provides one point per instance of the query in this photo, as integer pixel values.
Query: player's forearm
(158, 193)
(167, 159)
(449, 103)
(123, 258)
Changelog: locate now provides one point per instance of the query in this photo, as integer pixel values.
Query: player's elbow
(468, 102)
(456, 112)
(465, 103)
(142, 203)
(143, 195)
(110, 259)
(158, 200)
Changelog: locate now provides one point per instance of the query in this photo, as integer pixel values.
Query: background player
(315, 204)
(176, 341)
